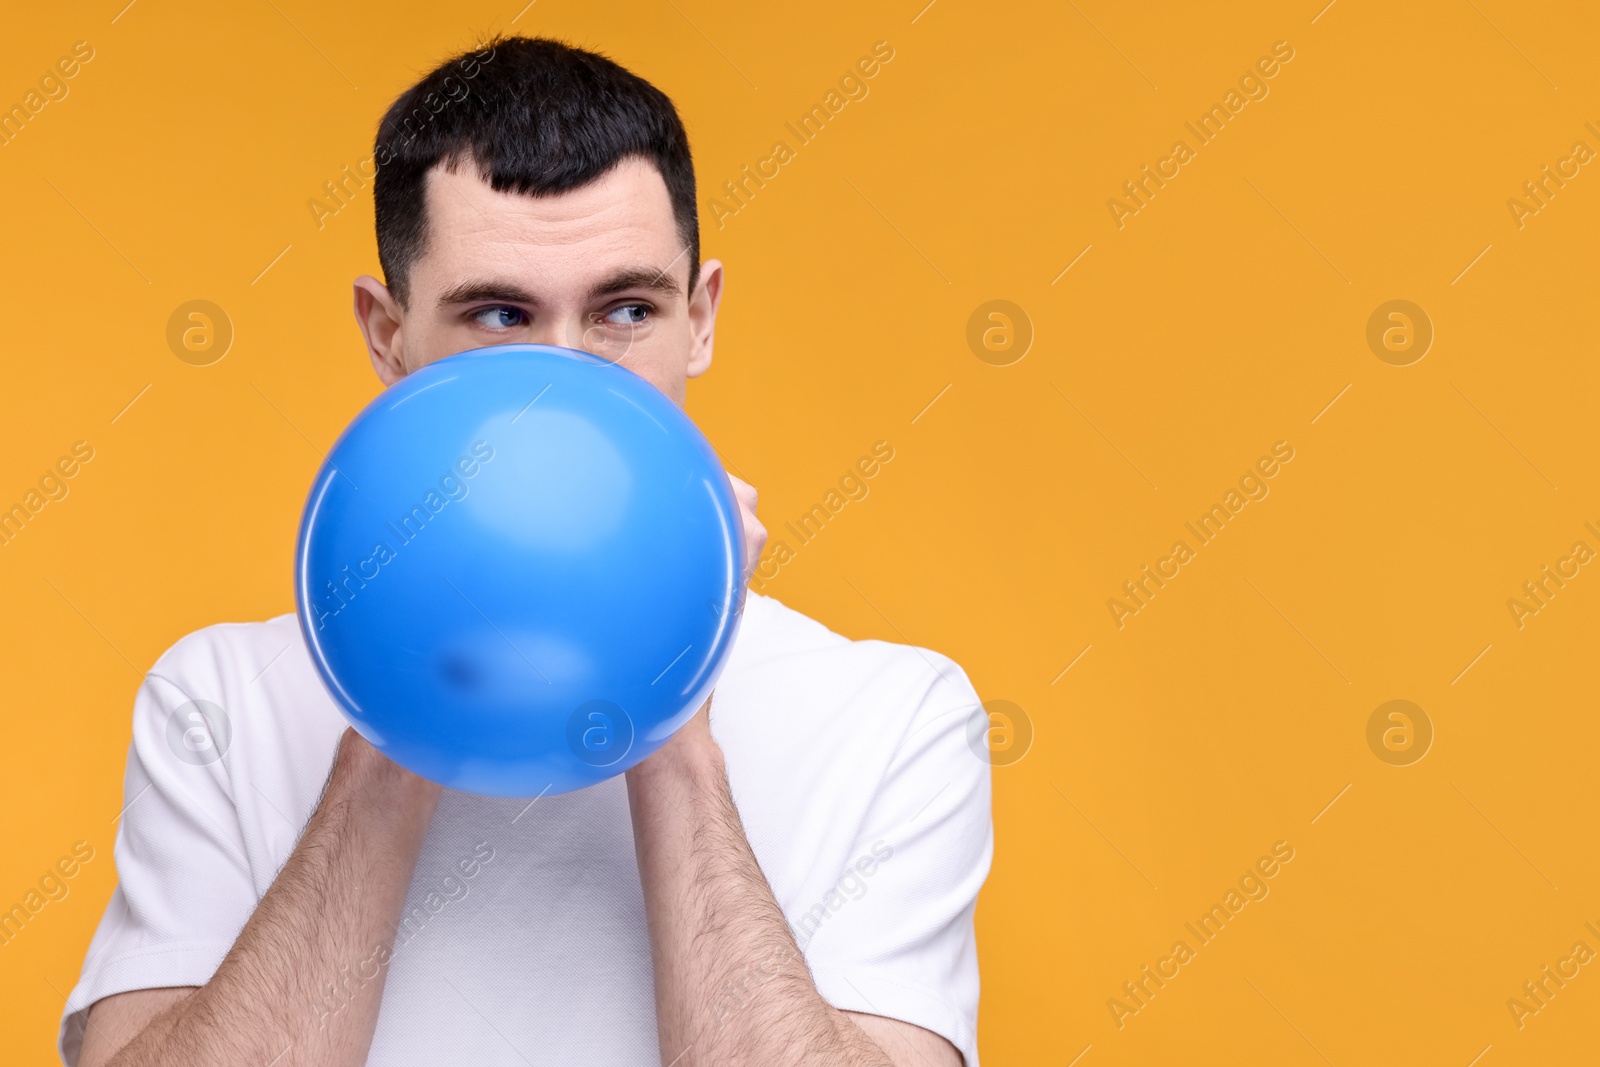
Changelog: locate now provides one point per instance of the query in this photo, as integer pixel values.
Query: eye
(496, 318)
(628, 315)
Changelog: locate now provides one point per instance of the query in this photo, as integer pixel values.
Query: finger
(744, 492)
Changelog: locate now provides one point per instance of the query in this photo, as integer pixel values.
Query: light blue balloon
(519, 570)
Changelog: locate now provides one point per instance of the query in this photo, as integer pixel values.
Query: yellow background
(1223, 317)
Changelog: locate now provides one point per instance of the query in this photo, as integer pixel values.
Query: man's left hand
(698, 729)
(755, 534)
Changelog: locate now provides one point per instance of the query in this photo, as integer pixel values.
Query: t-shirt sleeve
(899, 939)
(184, 886)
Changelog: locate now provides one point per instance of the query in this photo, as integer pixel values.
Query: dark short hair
(537, 117)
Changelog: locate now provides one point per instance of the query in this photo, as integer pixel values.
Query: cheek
(666, 373)
(425, 339)
(661, 358)
(423, 348)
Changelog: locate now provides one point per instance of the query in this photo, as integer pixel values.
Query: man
(791, 879)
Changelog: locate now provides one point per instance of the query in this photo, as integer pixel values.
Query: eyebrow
(648, 278)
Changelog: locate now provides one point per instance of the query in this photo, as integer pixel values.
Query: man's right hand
(335, 903)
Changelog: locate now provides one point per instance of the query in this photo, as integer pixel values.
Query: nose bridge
(560, 328)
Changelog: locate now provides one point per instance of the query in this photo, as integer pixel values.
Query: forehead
(560, 241)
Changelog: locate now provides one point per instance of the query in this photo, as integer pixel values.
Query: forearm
(302, 983)
(731, 986)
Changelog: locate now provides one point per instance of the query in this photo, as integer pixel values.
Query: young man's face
(599, 268)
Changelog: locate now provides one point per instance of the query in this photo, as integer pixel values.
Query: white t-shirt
(850, 762)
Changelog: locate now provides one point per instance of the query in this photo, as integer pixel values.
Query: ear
(703, 303)
(379, 317)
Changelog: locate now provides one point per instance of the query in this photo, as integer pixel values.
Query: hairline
(459, 160)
